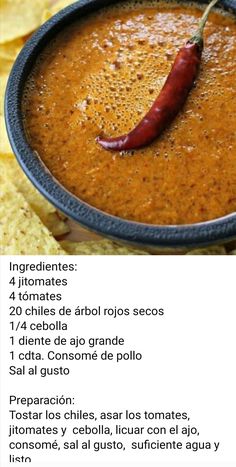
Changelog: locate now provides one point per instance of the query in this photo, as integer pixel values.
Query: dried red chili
(171, 98)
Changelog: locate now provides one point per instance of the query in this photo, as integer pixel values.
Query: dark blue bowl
(168, 237)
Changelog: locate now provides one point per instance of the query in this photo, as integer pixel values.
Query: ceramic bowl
(167, 238)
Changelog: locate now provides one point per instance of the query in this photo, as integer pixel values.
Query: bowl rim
(169, 236)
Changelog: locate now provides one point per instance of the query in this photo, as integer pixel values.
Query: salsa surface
(100, 76)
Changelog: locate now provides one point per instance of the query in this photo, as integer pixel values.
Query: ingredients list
(90, 372)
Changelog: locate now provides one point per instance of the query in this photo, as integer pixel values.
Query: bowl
(167, 238)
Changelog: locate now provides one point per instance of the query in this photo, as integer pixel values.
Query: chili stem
(171, 98)
(198, 36)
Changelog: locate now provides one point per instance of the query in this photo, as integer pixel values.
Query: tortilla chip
(5, 65)
(3, 84)
(47, 14)
(21, 231)
(20, 18)
(211, 250)
(103, 247)
(5, 147)
(45, 210)
(10, 50)
(56, 224)
(60, 5)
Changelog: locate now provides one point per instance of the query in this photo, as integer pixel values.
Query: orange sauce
(100, 76)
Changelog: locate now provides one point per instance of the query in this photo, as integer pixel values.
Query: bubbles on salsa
(101, 75)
